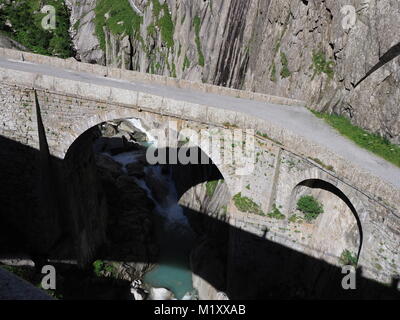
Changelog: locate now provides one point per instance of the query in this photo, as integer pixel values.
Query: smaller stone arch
(327, 186)
(318, 182)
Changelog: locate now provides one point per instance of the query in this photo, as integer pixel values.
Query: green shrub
(310, 207)
(197, 26)
(98, 267)
(285, 72)
(101, 268)
(245, 204)
(276, 213)
(273, 73)
(164, 22)
(322, 65)
(210, 187)
(322, 164)
(347, 258)
(26, 20)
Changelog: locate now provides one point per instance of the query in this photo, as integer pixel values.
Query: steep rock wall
(290, 48)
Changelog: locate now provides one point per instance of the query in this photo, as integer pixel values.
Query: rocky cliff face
(312, 50)
(83, 31)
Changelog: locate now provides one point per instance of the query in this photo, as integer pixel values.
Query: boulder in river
(160, 294)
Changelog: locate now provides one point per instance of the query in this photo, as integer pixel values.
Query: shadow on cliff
(35, 221)
(387, 57)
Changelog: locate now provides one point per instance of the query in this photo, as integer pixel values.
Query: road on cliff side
(298, 120)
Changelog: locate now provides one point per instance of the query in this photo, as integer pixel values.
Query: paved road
(296, 119)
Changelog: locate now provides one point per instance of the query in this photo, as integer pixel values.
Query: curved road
(298, 120)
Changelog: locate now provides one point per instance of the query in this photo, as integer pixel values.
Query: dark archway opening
(324, 185)
(127, 222)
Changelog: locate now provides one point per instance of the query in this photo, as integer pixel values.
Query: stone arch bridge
(295, 153)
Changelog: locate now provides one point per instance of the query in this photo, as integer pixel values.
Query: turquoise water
(175, 278)
(173, 270)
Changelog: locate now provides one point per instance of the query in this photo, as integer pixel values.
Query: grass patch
(369, 141)
(322, 164)
(186, 63)
(310, 207)
(210, 187)
(276, 213)
(266, 136)
(322, 65)
(229, 125)
(245, 204)
(295, 219)
(285, 72)
(197, 26)
(122, 19)
(165, 23)
(273, 73)
(347, 258)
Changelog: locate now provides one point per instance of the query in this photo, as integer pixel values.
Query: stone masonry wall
(66, 115)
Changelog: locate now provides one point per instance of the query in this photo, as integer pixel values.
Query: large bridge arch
(123, 113)
(90, 121)
(189, 176)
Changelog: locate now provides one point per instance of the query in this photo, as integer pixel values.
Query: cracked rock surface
(269, 46)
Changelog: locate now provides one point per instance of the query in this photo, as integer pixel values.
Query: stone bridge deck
(284, 120)
(74, 97)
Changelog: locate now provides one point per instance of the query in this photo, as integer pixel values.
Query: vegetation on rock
(310, 207)
(186, 63)
(347, 258)
(197, 26)
(245, 204)
(273, 73)
(118, 17)
(164, 23)
(322, 65)
(22, 21)
(101, 268)
(295, 219)
(276, 213)
(285, 72)
(210, 187)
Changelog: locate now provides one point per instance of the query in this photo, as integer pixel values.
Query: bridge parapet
(129, 75)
